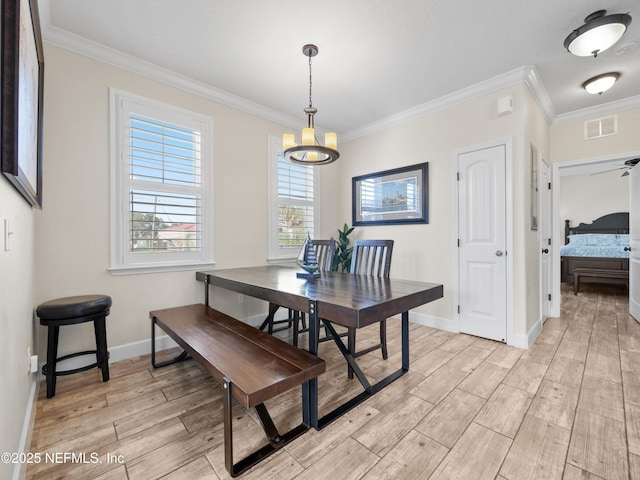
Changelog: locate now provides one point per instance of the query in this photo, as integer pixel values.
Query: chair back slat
(324, 253)
(372, 257)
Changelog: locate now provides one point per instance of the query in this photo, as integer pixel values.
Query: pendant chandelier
(310, 152)
(599, 32)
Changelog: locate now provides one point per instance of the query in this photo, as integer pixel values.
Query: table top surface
(349, 300)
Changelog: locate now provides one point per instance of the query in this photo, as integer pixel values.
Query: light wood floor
(569, 407)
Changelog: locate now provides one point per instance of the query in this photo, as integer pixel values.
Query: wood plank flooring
(569, 407)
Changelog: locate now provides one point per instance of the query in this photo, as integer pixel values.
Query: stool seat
(69, 311)
(73, 308)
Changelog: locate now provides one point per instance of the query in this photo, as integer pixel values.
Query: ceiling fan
(628, 165)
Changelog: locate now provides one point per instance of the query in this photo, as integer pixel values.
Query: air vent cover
(600, 127)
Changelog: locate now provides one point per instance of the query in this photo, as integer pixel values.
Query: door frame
(508, 147)
(548, 217)
(557, 228)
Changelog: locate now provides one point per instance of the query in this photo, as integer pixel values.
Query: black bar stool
(69, 311)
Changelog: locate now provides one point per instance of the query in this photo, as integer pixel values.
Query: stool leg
(101, 347)
(53, 332)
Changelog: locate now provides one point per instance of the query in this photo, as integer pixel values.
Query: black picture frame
(396, 196)
(22, 96)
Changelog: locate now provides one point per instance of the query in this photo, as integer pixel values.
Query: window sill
(142, 269)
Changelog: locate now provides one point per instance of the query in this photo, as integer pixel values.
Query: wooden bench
(600, 275)
(251, 365)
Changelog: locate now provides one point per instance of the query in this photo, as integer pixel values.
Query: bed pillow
(594, 239)
(623, 239)
(577, 240)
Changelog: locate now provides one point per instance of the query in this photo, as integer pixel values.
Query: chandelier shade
(310, 152)
(599, 32)
(601, 83)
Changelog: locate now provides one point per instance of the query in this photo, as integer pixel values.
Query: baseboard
(433, 321)
(20, 470)
(525, 341)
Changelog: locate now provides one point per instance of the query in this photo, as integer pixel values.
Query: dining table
(339, 298)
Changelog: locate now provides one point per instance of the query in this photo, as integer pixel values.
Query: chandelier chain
(310, 103)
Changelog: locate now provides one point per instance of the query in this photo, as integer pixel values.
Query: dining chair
(324, 250)
(370, 258)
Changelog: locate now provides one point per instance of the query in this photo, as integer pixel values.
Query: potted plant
(342, 255)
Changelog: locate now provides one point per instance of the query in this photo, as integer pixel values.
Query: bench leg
(276, 441)
(178, 358)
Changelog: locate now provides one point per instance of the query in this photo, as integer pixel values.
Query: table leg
(405, 341)
(369, 390)
(310, 412)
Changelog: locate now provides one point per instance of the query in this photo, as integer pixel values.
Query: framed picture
(22, 91)
(392, 197)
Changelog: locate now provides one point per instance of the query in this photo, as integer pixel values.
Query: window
(161, 186)
(293, 204)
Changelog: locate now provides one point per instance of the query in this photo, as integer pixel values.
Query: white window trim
(275, 254)
(118, 125)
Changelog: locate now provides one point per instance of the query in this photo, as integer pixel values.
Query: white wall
(16, 318)
(584, 198)
(72, 251)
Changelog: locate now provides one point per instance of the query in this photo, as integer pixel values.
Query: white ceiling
(378, 58)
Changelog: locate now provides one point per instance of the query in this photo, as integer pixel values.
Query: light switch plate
(6, 235)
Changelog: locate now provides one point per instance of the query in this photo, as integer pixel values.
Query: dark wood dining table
(343, 299)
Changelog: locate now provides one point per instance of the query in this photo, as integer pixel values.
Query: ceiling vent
(601, 127)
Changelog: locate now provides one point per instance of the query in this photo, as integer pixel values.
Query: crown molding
(536, 87)
(598, 111)
(526, 74)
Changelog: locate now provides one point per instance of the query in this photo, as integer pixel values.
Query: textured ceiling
(378, 58)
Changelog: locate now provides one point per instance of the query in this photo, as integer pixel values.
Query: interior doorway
(595, 170)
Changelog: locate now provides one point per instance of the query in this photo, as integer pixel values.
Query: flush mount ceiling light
(599, 32)
(310, 152)
(601, 83)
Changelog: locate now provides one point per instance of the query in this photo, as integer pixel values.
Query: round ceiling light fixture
(599, 32)
(601, 83)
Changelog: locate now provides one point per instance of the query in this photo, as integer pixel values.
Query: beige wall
(16, 318)
(75, 256)
(527, 279)
(568, 143)
(72, 252)
(426, 252)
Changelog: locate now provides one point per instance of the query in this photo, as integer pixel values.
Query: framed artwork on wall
(392, 196)
(22, 92)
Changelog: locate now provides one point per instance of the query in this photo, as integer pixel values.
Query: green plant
(342, 255)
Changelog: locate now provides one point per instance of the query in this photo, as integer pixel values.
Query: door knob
(498, 253)
(545, 250)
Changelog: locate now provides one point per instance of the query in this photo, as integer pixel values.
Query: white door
(544, 188)
(634, 260)
(482, 241)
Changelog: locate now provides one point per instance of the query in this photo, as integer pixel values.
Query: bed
(602, 244)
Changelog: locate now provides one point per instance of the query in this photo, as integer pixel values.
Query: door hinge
(458, 176)
(549, 297)
(549, 184)
(549, 241)
(458, 243)
(458, 309)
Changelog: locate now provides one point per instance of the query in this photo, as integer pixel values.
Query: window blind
(164, 187)
(295, 203)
